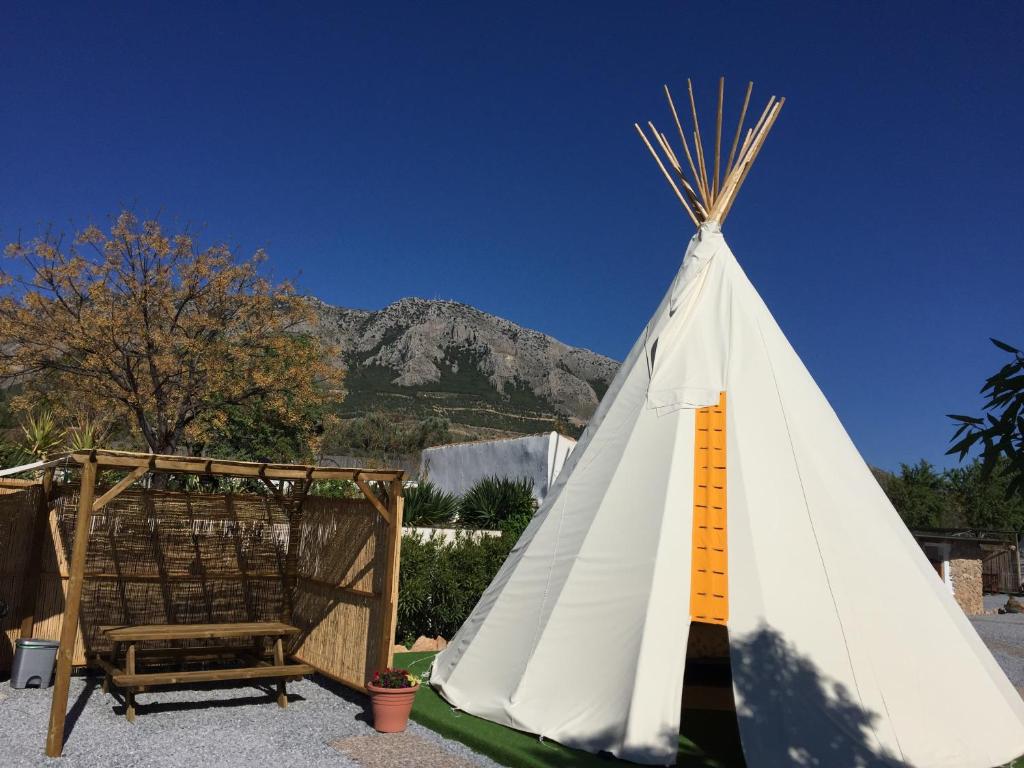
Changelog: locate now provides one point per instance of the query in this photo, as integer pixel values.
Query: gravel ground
(994, 602)
(1004, 636)
(225, 727)
(399, 750)
(240, 727)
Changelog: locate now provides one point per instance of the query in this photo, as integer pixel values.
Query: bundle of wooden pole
(709, 196)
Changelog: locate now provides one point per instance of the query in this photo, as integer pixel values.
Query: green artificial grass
(712, 739)
(716, 746)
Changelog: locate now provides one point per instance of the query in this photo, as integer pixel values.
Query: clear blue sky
(485, 153)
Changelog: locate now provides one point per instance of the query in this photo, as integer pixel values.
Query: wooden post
(1019, 577)
(291, 505)
(293, 508)
(394, 555)
(35, 563)
(282, 691)
(72, 605)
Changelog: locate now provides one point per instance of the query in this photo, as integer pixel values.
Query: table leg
(114, 650)
(282, 691)
(129, 692)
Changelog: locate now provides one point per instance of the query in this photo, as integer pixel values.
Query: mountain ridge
(420, 357)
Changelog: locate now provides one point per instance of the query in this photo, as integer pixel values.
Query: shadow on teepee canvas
(789, 713)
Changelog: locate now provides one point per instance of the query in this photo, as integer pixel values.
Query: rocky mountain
(418, 357)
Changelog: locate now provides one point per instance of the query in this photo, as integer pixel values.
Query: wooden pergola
(139, 464)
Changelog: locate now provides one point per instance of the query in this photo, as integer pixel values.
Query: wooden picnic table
(132, 681)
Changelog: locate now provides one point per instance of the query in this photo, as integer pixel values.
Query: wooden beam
(16, 482)
(229, 468)
(134, 679)
(146, 578)
(121, 486)
(72, 606)
(278, 494)
(340, 588)
(35, 555)
(194, 653)
(375, 500)
(218, 630)
(396, 504)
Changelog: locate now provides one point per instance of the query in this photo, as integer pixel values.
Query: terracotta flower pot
(391, 707)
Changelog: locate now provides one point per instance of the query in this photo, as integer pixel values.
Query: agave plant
(428, 506)
(42, 434)
(494, 502)
(86, 434)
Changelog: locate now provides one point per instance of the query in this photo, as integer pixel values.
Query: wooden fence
(20, 511)
(159, 557)
(1000, 569)
(341, 588)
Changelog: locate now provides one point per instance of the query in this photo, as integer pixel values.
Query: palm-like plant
(494, 502)
(42, 434)
(428, 506)
(86, 434)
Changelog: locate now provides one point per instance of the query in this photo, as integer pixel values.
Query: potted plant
(391, 695)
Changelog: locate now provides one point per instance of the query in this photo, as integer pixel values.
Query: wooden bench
(132, 681)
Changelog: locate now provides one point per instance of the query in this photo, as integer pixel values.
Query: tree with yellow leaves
(146, 329)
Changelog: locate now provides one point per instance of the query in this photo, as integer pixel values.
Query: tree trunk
(160, 442)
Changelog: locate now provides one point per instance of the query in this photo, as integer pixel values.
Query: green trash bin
(33, 662)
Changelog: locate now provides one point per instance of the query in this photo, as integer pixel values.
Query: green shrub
(495, 500)
(426, 505)
(440, 583)
(336, 489)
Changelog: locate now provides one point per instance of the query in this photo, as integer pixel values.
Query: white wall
(456, 468)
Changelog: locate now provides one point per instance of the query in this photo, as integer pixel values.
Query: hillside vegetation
(417, 360)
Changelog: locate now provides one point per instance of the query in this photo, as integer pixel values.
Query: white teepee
(716, 484)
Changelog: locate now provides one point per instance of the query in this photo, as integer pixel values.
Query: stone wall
(965, 570)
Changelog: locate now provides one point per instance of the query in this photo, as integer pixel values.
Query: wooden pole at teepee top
(686, 145)
(718, 131)
(691, 193)
(713, 190)
(739, 129)
(668, 176)
(755, 150)
(699, 146)
(72, 606)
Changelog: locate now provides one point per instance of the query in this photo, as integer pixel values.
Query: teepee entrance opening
(708, 680)
(708, 718)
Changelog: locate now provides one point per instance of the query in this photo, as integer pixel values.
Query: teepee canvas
(715, 484)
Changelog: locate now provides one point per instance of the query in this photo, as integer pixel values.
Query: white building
(456, 468)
